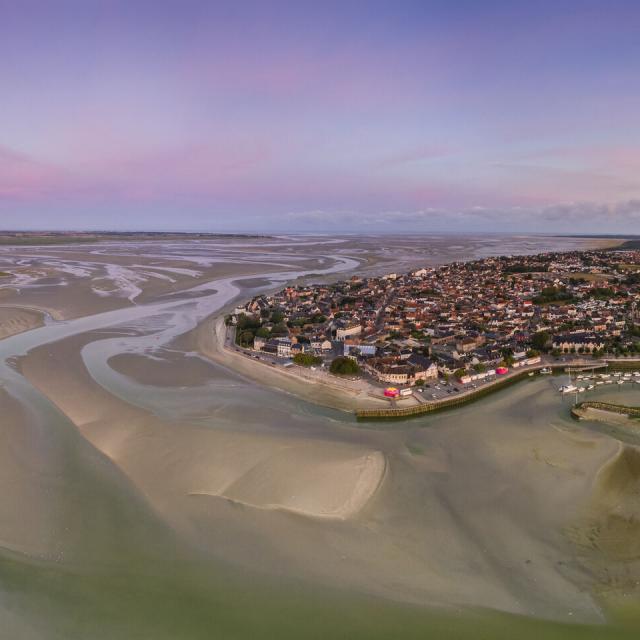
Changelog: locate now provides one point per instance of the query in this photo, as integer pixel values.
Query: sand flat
(469, 532)
(320, 479)
(15, 320)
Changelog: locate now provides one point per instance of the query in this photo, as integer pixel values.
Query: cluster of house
(470, 317)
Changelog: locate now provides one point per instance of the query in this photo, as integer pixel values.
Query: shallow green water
(164, 599)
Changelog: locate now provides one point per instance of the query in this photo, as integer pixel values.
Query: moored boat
(568, 388)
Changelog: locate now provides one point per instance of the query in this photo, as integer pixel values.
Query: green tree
(307, 359)
(277, 317)
(540, 340)
(247, 322)
(344, 366)
(279, 330)
(245, 338)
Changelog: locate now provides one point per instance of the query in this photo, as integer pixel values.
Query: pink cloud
(22, 177)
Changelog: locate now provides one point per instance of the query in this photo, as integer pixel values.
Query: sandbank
(171, 462)
(15, 320)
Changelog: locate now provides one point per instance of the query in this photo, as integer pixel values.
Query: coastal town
(458, 325)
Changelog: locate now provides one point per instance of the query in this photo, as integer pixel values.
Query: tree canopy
(540, 340)
(306, 359)
(344, 366)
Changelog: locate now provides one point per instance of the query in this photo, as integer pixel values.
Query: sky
(402, 116)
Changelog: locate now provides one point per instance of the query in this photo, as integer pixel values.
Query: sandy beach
(346, 395)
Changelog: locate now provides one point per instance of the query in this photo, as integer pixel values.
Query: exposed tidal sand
(70, 282)
(487, 536)
(321, 479)
(163, 369)
(16, 320)
(78, 295)
(607, 531)
(611, 526)
(20, 530)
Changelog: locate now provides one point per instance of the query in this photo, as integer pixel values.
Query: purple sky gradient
(331, 116)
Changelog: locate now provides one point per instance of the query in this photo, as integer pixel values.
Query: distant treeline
(36, 238)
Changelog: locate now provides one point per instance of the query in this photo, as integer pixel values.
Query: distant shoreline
(46, 238)
(24, 238)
